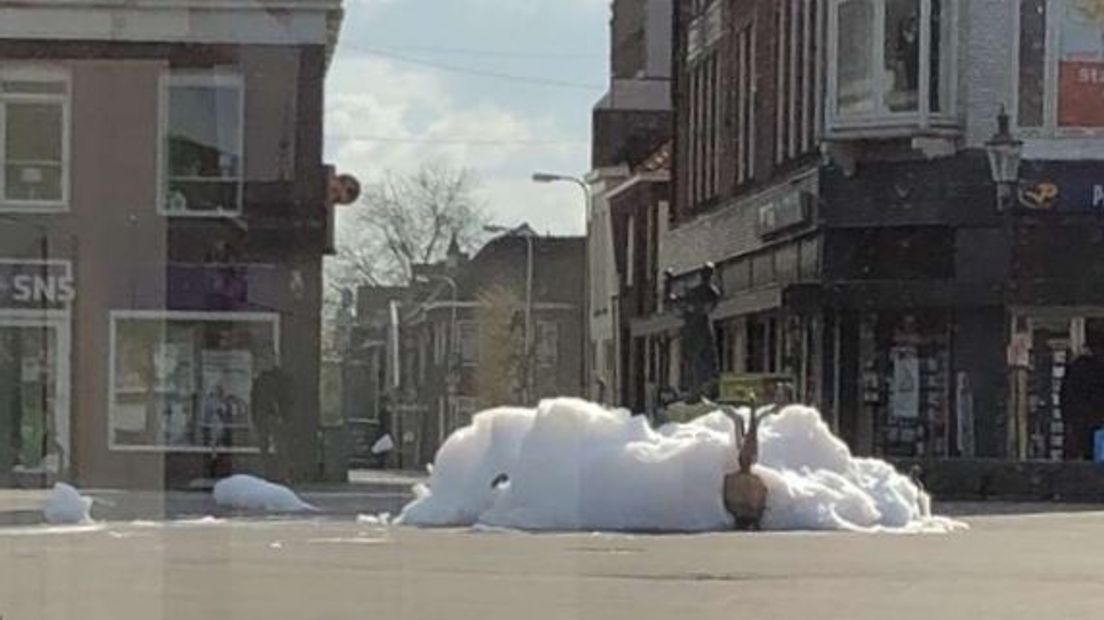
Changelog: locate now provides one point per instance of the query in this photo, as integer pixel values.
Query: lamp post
(453, 341)
(525, 231)
(1005, 156)
(584, 327)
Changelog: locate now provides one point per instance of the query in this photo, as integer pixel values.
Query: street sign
(746, 389)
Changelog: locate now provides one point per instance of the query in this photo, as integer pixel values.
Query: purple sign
(36, 285)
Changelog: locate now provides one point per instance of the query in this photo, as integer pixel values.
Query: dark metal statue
(695, 306)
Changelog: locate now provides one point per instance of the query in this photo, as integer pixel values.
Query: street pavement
(1020, 566)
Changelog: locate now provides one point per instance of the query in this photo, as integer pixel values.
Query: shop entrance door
(33, 398)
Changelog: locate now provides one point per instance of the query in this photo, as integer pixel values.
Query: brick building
(830, 158)
(629, 123)
(462, 329)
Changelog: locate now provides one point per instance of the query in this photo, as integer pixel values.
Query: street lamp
(1005, 156)
(453, 342)
(525, 231)
(584, 327)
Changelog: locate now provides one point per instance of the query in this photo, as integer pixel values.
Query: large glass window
(183, 381)
(892, 58)
(203, 144)
(33, 139)
(855, 62)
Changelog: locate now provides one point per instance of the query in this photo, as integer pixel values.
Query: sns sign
(36, 285)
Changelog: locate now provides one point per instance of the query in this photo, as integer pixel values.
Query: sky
(409, 84)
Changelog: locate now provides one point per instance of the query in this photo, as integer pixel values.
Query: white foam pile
(251, 493)
(66, 506)
(572, 465)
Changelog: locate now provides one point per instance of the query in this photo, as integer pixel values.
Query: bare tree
(500, 375)
(404, 220)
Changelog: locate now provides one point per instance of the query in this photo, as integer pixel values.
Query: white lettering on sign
(1087, 75)
(1098, 197)
(28, 288)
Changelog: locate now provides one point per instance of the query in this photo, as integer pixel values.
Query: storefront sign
(31, 285)
(743, 389)
(1081, 67)
(1063, 186)
(791, 210)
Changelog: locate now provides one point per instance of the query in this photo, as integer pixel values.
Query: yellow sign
(745, 389)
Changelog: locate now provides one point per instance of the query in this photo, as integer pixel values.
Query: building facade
(163, 217)
(503, 327)
(830, 159)
(628, 124)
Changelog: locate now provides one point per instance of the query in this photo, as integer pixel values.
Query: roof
(258, 22)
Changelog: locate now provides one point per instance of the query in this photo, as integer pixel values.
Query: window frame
(45, 74)
(1050, 128)
(116, 316)
(216, 78)
(923, 118)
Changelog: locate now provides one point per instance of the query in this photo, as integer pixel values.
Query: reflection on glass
(902, 55)
(187, 383)
(204, 147)
(855, 59)
(28, 383)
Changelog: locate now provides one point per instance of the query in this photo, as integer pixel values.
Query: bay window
(1060, 78)
(34, 139)
(891, 63)
(202, 123)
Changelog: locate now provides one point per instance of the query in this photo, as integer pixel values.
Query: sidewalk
(367, 492)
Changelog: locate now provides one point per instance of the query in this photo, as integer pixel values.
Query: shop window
(184, 381)
(893, 62)
(202, 144)
(34, 134)
(1061, 66)
(906, 383)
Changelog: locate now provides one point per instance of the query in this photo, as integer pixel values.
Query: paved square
(1039, 566)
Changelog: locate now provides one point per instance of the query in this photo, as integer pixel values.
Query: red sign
(1081, 103)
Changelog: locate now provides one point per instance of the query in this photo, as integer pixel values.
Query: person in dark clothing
(271, 403)
(1083, 399)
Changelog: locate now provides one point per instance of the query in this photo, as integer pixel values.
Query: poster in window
(172, 367)
(227, 385)
(905, 389)
(1081, 65)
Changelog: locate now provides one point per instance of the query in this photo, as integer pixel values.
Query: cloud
(383, 116)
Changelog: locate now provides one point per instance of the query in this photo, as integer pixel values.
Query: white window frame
(197, 78)
(46, 74)
(923, 119)
(172, 315)
(1050, 128)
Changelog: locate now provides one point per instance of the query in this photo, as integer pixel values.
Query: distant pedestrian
(272, 398)
(1083, 399)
